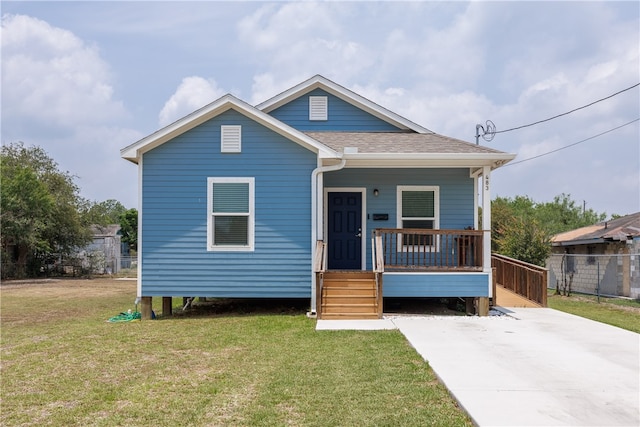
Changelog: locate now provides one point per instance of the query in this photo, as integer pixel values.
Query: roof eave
(345, 94)
(432, 159)
(227, 102)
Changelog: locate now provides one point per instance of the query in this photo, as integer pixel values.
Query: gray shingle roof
(619, 229)
(398, 142)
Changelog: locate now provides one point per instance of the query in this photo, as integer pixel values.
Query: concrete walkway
(535, 367)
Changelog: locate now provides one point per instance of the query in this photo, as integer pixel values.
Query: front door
(344, 239)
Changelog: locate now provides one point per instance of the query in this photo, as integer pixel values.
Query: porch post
(486, 224)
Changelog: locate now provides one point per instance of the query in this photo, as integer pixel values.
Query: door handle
(359, 232)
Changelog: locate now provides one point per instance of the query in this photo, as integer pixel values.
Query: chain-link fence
(607, 275)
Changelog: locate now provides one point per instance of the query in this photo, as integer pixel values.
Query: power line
(569, 112)
(571, 145)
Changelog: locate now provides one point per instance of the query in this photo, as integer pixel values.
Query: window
(230, 138)
(318, 106)
(418, 207)
(230, 222)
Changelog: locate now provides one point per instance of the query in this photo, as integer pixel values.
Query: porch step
(350, 295)
(350, 316)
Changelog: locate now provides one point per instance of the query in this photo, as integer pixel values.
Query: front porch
(410, 263)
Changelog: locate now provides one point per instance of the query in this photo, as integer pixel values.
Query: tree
(525, 240)
(40, 208)
(563, 214)
(522, 228)
(103, 213)
(129, 228)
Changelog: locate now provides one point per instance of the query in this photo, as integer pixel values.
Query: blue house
(316, 193)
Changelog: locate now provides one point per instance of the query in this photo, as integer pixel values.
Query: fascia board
(432, 160)
(578, 242)
(227, 102)
(344, 94)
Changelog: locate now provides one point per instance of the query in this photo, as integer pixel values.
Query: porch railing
(430, 250)
(527, 280)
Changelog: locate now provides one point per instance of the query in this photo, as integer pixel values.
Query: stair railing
(377, 262)
(319, 267)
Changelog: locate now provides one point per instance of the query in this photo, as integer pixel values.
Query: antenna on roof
(488, 133)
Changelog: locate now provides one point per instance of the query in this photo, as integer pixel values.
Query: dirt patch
(68, 288)
(249, 306)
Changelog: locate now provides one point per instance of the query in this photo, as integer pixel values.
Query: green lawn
(623, 313)
(63, 364)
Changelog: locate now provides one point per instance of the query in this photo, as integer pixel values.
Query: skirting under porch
(436, 285)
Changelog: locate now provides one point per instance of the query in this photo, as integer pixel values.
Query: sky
(83, 80)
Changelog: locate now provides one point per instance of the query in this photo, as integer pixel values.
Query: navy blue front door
(345, 231)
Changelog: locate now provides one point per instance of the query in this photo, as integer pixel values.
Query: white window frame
(230, 138)
(250, 247)
(436, 212)
(318, 108)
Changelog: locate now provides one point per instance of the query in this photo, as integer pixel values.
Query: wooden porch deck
(506, 298)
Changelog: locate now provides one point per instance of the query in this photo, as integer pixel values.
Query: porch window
(418, 207)
(230, 222)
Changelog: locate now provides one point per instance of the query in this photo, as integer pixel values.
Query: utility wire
(569, 112)
(571, 145)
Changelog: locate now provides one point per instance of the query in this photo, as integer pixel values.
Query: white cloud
(57, 93)
(52, 79)
(193, 93)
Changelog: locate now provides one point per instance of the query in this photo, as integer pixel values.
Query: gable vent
(318, 107)
(231, 139)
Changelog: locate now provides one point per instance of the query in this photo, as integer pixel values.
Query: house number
(486, 183)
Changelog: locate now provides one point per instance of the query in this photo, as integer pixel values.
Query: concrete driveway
(535, 367)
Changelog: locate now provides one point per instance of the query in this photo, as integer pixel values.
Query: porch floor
(506, 298)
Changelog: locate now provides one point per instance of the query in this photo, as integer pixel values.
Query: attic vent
(231, 138)
(318, 108)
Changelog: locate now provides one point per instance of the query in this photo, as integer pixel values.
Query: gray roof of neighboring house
(104, 230)
(399, 142)
(619, 229)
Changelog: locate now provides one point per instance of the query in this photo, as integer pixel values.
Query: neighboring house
(604, 256)
(103, 254)
(267, 201)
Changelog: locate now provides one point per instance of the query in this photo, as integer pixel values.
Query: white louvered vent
(318, 107)
(231, 138)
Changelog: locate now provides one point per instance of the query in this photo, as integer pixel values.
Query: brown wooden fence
(527, 280)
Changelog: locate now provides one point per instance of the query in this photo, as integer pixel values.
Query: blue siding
(435, 285)
(175, 260)
(342, 116)
(456, 194)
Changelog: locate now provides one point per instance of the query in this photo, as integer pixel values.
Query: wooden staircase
(350, 295)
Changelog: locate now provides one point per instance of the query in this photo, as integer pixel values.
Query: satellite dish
(488, 131)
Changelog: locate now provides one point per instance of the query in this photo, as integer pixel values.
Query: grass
(623, 313)
(63, 364)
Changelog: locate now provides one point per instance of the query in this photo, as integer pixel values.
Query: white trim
(139, 248)
(217, 107)
(346, 95)
(440, 160)
(476, 219)
(250, 247)
(363, 221)
(230, 138)
(436, 211)
(486, 224)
